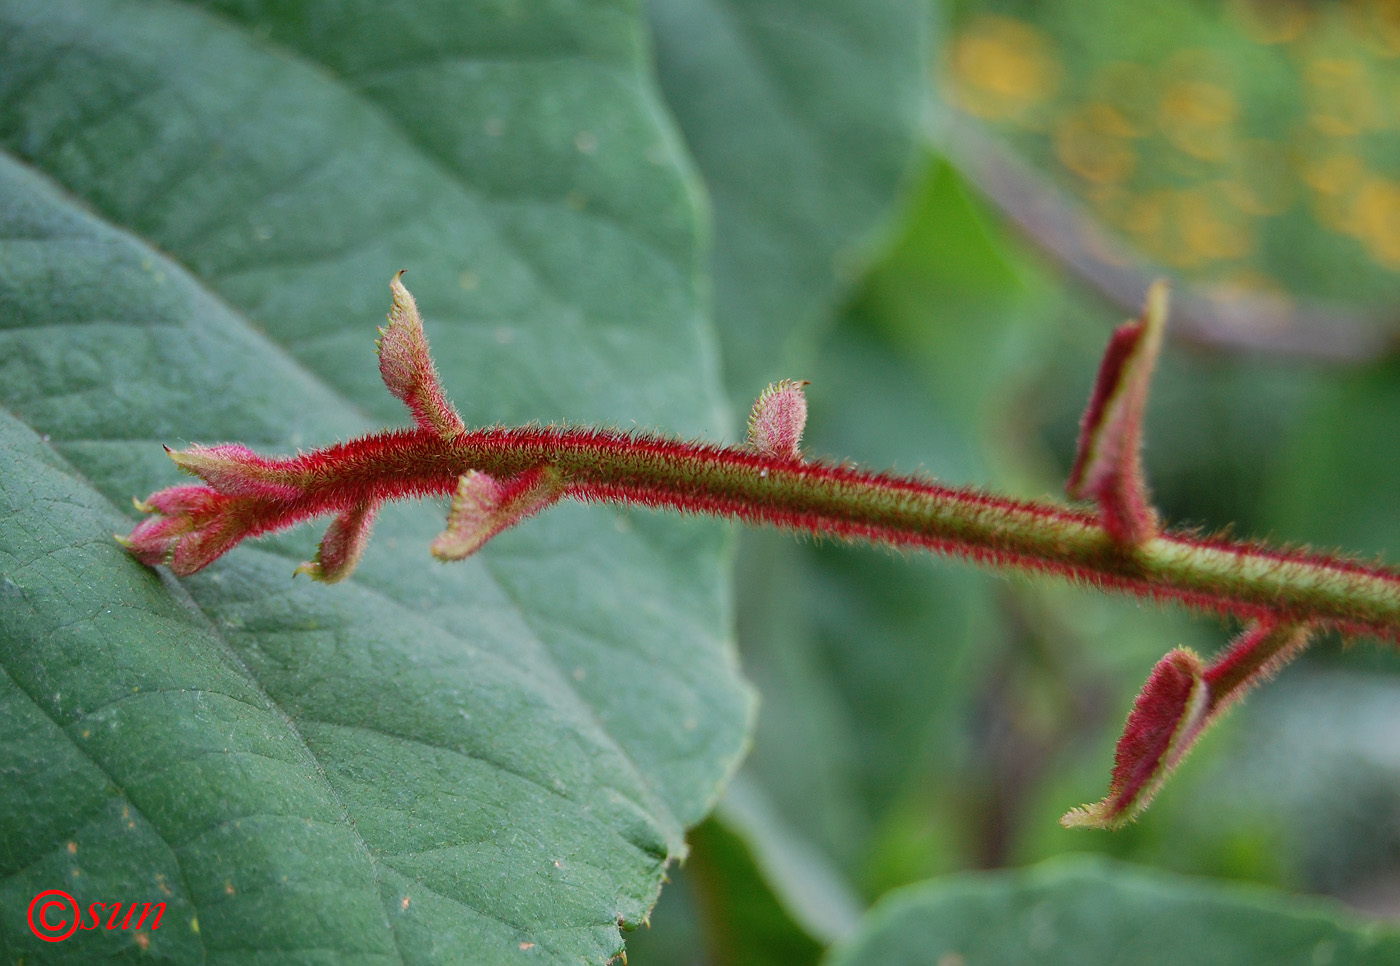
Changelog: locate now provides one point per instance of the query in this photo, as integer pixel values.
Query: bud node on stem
(777, 420)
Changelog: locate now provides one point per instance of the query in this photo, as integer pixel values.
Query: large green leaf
(199, 212)
(803, 118)
(1089, 911)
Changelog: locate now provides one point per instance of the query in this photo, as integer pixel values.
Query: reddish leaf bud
(482, 507)
(342, 546)
(408, 370)
(192, 526)
(1167, 716)
(1180, 700)
(237, 471)
(777, 420)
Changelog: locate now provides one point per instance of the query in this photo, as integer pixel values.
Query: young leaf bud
(342, 546)
(1167, 716)
(237, 471)
(482, 507)
(777, 420)
(1179, 702)
(1108, 466)
(190, 527)
(408, 370)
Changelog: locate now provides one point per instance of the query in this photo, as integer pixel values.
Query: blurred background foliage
(920, 718)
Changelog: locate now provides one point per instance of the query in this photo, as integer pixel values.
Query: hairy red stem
(1229, 577)
(499, 476)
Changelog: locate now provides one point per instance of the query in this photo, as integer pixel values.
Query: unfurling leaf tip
(1089, 816)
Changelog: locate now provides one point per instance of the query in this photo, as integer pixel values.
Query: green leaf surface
(200, 208)
(1080, 911)
(803, 119)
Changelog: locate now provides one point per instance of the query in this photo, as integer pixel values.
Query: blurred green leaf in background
(918, 719)
(632, 214)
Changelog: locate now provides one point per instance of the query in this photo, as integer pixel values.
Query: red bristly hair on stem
(499, 476)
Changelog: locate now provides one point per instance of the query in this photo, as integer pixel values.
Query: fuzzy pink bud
(236, 470)
(190, 527)
(407, 367)
(482, 507)
(342, 546)
(778, 419)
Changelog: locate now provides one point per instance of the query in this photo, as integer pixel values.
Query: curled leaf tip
(1108, 464)
(778, 419)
